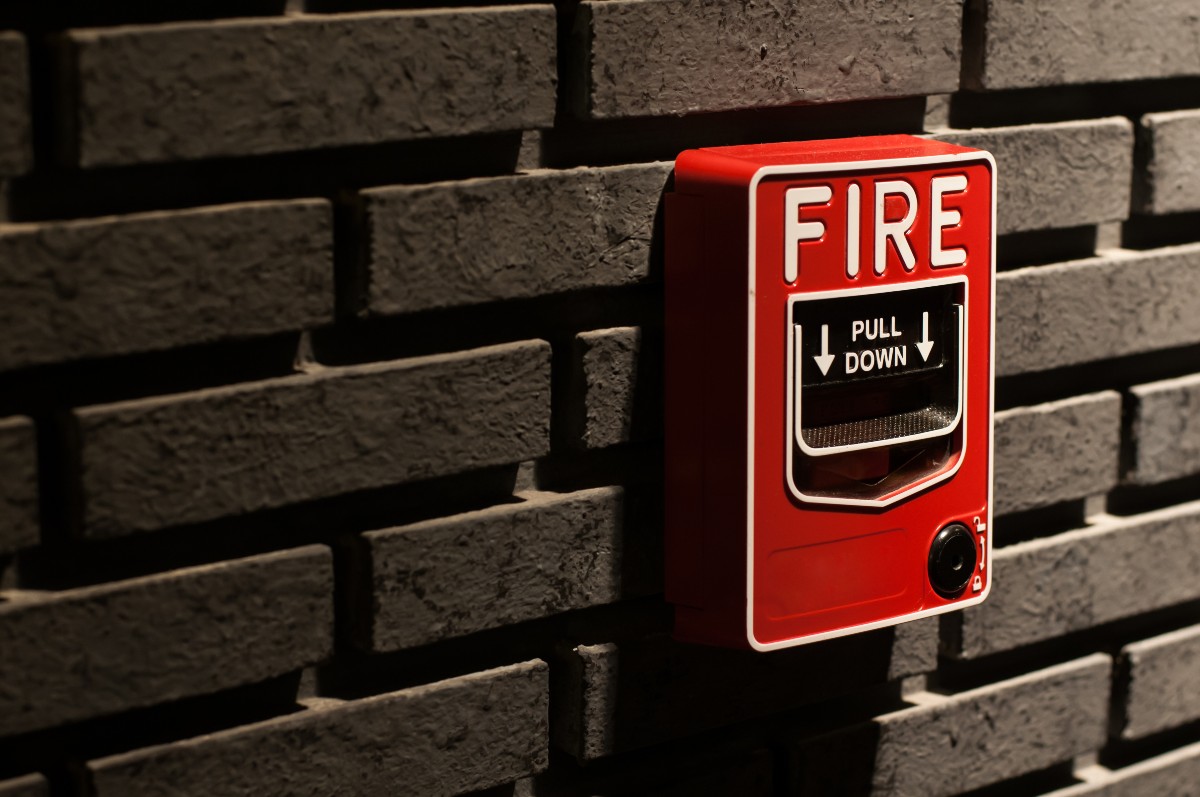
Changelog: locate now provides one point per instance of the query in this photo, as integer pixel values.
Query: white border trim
(793, 403)
(837, 168)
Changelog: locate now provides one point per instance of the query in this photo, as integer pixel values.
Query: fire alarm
(829, 375)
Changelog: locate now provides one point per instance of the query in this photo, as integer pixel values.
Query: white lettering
(940, 219)
(853, 214)
(874, 328)
(794, 230)
(876, 359)
(895, 230)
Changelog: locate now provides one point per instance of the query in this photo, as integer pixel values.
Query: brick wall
(330, 407)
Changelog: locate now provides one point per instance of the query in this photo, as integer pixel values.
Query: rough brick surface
(202, 90)
(505, 564)
(1169, 184)
(1119, 304)
(100, 650)
(1115, 569)
(1164, 683)
(1065, 174)
(1166, 430)
(26, 786)
(415, 180)
(198, 456)
(653, 57)
(16, 155)
(624, 696)
(1056, 452)
(1054, 42)
(153, 281)
(619, 378)
(475, 241)
(1173, 774)
(18, 485)
(950, 745)
(446, 738)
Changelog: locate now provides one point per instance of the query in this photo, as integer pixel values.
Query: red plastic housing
(829, 369)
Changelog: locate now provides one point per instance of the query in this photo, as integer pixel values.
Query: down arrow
(925, 344)
(824, 359)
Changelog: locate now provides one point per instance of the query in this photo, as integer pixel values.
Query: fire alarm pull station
(829, 387)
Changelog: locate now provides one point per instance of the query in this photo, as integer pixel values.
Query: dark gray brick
(1056, 452)
(475, 241)
(1170, 184)
(26, 786)
(1166, 430)
(949, 745)
(248, 87)
(1120, 304)
(1065, 174)
(152, 281)
(468, 733)
(1164, 683)
(506, 564)
(1173, 774)
(1114, 569)
(198, 456)
(95, 651)
(618, 697)
(618, 376)
(1052, 42)
(656, 57)
(16, 154)
(19, 480)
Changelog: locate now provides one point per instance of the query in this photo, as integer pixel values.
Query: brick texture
(452, 215)
(619, 375)
(18, 485)
(1163, 689)
(16, 154)
(1065, 174)
(205, 90)
(954, 744)
(446, 738)
(1056, 452)
(199, 456)
(1113, 570)
(26, 786)
(138, 283)
(1140, 302)
(96, 651)
(654, 57)
(1166, 430)
(1169, 184)
(475, 241)
(1056, 42)
(629, 695)
(506, 564)
(1173, 774)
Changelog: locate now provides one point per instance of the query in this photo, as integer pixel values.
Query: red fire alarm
(829, 387)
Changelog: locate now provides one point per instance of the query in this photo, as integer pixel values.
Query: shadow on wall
(619, 697)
